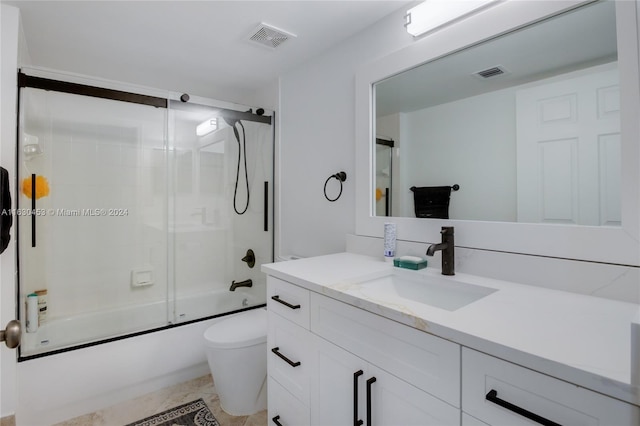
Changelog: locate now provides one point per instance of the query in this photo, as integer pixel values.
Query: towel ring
(341, 177)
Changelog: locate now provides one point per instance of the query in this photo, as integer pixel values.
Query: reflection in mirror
(384, 171)
(527, 124)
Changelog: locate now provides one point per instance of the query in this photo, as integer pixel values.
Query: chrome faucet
(447, 247)
(245, 283)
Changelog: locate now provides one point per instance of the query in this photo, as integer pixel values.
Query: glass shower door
(91, 219)
(220, 225)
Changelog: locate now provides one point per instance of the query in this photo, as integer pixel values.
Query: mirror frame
(615, 245)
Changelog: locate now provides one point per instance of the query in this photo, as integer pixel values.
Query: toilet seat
(246, 329)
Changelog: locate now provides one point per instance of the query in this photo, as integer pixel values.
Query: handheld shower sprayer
(232, 122)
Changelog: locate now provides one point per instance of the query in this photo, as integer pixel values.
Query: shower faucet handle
(250, 258)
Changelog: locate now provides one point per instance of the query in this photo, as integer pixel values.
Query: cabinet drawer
(427, 362)
(288, 300)
(288, 356)
(284, 408)
(542, 395)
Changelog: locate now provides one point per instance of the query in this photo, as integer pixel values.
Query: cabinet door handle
(276, 420)
(266, 206)
(356, 375)
(287, 360)
(369, 383)
(492, 396)
(288, 305)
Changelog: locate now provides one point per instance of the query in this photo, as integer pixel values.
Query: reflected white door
(568, 150)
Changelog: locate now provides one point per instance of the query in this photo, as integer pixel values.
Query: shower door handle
(266, 206)
(33, 210)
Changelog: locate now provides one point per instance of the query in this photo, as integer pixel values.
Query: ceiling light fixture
(207, 126)
(432, 14)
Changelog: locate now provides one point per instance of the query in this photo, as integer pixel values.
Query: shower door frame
(30, 81)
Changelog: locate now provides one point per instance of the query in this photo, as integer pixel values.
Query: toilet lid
(245, 329)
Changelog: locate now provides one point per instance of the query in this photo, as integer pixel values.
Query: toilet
(237, 354)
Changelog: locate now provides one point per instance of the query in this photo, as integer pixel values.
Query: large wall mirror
(519, 120)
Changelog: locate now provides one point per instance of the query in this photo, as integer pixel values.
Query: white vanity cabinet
(354, 367)
(337, 363)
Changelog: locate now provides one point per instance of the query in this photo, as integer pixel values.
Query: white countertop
(581, 339)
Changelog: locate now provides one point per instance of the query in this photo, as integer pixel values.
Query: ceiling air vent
(271, 37)
(491, 72)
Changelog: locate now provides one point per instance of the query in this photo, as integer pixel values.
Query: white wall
(317, 139)
(317, 117)
(9, 39)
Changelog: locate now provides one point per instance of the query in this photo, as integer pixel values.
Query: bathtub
(92, 327)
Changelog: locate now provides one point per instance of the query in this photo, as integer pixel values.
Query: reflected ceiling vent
(271, 37)
(492, 72)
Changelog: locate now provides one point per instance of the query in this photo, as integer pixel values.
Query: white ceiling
(197, 47)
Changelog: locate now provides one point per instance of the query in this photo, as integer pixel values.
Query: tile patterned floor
(164, 399)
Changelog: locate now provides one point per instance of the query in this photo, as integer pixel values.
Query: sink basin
(444, 293)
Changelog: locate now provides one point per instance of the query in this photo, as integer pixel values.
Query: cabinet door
(342, 379)
(396, 402)
(424, 360)
(333, 376)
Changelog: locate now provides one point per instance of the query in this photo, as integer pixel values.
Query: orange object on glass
(42, 187)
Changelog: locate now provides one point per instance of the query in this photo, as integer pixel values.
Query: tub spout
(245, 283)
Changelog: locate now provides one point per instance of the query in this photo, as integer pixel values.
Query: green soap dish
(410, 262)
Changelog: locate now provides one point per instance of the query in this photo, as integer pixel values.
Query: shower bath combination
(139, 161)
